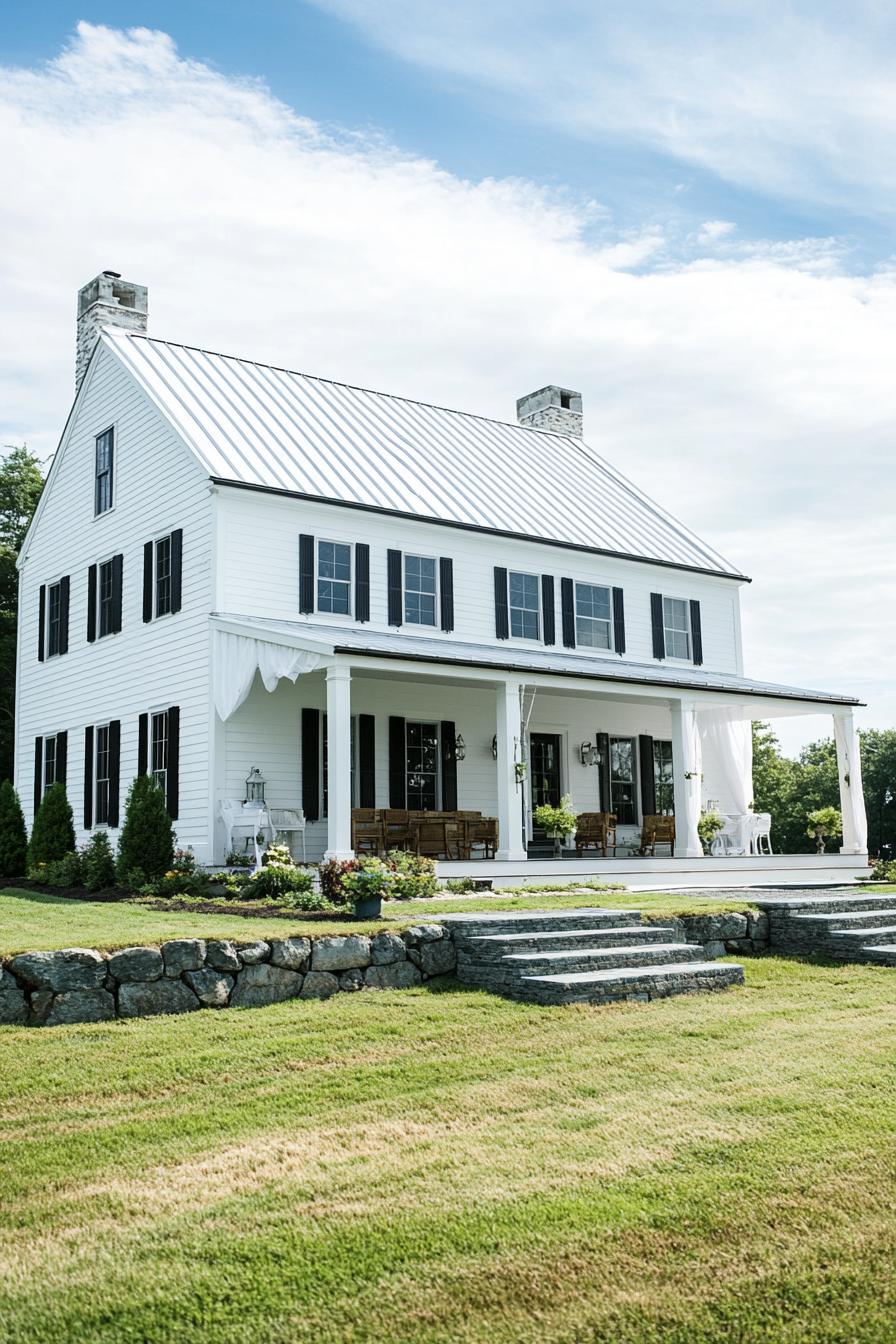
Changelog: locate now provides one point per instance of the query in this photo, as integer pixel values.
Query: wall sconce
(495, 747)
(460, 748)
(589, 754)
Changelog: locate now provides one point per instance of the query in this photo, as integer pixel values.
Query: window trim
(113, 430)
(437, 595)
(676, 657)
(532, 639)
(106, 779)
(350, 584)
(44, 785)
(608, 589)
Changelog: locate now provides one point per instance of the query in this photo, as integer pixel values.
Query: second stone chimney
(553, 408)
(107, 301)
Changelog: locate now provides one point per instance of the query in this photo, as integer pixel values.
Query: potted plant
(822, 822)
(367, 885)
(711, 824)
(558, 823)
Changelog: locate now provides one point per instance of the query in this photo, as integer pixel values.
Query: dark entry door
(544, 768)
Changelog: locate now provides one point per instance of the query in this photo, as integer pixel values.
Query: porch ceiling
(461, 658)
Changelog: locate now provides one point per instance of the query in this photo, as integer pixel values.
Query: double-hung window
(676, 627)
(105, 454)
(594, 616)
(105, 598)
(101, 776)
(662, 777)
(622, 780)
(158, 749)
(524, 605)
(54, 619)
(163, 576)
(334, 578)
(422, 755)
(50, 759)
(419, 590)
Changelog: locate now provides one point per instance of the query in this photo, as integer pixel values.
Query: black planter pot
(370, 908)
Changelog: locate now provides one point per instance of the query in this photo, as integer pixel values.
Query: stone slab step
(848, 919)
(883, 934)
(884, 953)
(474, 924)
(642, 983)
(600, 958)
(491, 945)
(805, 901)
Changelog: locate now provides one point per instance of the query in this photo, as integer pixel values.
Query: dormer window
(334, 578)
(105, 453)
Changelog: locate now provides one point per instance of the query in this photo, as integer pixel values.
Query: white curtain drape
(727, 747)
(852, 800)
(236, 659)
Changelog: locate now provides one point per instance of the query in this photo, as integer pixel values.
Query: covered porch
(362, 724)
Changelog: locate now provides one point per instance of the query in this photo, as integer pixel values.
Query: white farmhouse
(379, 604)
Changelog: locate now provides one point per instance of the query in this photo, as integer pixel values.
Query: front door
(544, 772)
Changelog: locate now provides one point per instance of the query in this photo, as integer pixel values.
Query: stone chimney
(107, 301)
(554, 408)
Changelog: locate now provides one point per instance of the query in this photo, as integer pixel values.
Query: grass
(31, 921)
(427, 1167)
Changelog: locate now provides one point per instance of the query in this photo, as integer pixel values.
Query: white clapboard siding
(158, 487)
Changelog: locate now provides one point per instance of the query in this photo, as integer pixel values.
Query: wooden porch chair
(432, 837)
(464, 821)
(396, 828)
(482, 833)
(368, 835)
(595, 830)
(658, 831)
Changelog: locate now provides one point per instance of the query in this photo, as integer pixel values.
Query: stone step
(490, 946)
(856, 937)
(465, 926)
(600, 958)
(820, 902)
(828, 921)
(640, 983)
(886, 954)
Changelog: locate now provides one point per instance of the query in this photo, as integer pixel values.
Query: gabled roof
(268, 428)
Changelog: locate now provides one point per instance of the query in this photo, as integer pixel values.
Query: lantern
(255, 782)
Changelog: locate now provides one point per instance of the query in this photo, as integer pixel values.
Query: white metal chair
(246, 823)
(762, 833)
(288, 822)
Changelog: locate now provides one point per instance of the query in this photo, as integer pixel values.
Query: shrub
(174, 884)
(461, 886)
(332, 875)
(278, 876)
(884, 870)
(13, 836)
(98, 863)
(53, 832)
(415, 875)
(709, 826)
(64, 872)
(184, 861)
(146, 847)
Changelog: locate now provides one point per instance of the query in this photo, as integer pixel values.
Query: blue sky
(685, 211)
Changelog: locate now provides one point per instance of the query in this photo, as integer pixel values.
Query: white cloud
(714, 230)
(751, 392)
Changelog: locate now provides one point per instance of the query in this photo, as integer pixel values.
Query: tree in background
(21, 482)
(792, 788)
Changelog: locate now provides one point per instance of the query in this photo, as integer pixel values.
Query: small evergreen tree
(146, 846)
(98, 863)
(13, 836)
(53, 832)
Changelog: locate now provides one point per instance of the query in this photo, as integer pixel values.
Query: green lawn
(435, 1166)
(30, 921)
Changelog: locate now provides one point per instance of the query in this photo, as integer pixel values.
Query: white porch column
(509, 734)
(339, 756)
(686, 779)
(849, 771)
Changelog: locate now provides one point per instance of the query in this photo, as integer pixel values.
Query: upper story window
(524, 605)
(420, 590)
(54, 619)
(594, 616)
(163, 576)
(676, 627)
(105, 454)
(105, 598)
(162, 568)
(334, 577)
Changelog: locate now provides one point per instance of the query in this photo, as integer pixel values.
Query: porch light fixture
(255, 782)
(589, 754)
(495, 747)
(460, 748)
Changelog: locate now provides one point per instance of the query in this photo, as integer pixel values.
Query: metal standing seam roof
(255, 425)
(374, 643)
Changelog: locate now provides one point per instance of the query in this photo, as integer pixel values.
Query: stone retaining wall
(734, 932)
(47, 989)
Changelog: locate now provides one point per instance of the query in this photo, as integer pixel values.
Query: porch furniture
(762, 833)
(481, 833)
(246, 821)
(658, 830)
(288, 822)
(465, 821)
(736, 836)
(368, 832)
(396, 828)
(595, 830)
(436, 836)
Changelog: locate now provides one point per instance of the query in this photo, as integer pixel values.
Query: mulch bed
(67, 893)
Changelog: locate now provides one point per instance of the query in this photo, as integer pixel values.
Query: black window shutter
(115, 769)
(362, 582)
(117, 574)
(41, 621)
(88, 778)
(618, 621)
(173, 761)
(142, 744)
(64, 597)
(568, 613)
(306, 579)
(394, 587)
(648, 778)
(38, 771)
(148, 579)
(398, 783)
(446, 592)
(656, 625)
(603, 771)
(177, 566)
(449, 767)
(311, 764)
(62, 759)
(696, 633)
(366, 760)
(91, 604)
(547, 608)
(502, 613)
